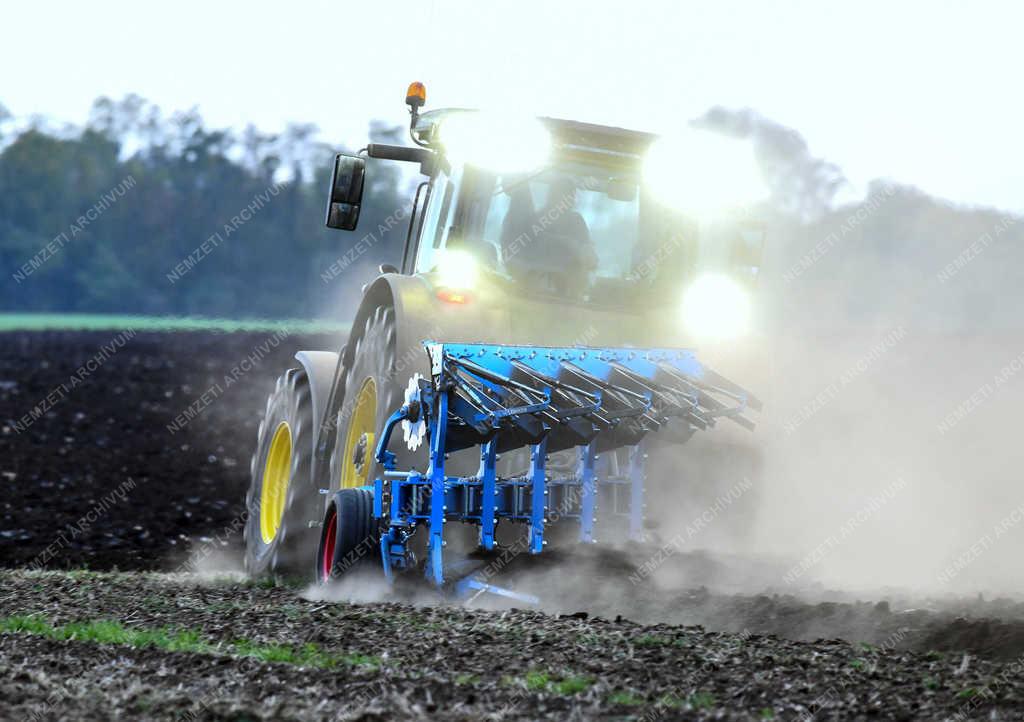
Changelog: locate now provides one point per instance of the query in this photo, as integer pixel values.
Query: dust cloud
(889, 353)
(891, 364)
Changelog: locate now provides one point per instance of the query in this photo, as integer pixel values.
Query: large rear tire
(374, 388)
(282, 498)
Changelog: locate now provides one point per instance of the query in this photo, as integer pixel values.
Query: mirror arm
(404, 153)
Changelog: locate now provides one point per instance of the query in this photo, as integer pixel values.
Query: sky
(925, 93)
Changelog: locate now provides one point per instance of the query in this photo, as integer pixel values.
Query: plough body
(502, 398)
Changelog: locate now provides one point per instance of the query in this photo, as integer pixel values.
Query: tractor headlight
(457, 270)
(716, 307)
(495, 142)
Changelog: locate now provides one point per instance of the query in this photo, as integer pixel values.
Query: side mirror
(346, 192)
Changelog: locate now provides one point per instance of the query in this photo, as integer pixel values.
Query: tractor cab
(522, 213)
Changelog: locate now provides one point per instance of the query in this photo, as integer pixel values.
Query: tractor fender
(415, 318)
(410, 298)
(320, 369)
(418, 315)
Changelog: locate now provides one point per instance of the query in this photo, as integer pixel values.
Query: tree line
(137, 211)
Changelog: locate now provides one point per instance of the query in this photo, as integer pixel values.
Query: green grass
(572, 685)
(112, 632)
(108, 632)
(30, 625)
(701, 700)
(537, 681)
(115, 322)
(626, 698)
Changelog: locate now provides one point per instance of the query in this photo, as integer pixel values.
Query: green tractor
(531, 232)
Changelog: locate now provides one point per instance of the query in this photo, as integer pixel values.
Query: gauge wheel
(282, 504)
(349, 536)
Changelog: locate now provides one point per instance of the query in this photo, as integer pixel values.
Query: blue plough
(504, 398)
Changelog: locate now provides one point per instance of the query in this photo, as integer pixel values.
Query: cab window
(436, 221)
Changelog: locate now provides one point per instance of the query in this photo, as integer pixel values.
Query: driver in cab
(550, 250)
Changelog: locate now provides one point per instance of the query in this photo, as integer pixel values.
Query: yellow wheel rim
(359, 440)
(275, 482)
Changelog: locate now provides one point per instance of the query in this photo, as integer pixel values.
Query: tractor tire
(374, 389)
(349, 536)
(282, 498)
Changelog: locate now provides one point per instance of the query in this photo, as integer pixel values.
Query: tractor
(515, 378)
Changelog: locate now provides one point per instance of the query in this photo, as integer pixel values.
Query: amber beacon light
(416, 95)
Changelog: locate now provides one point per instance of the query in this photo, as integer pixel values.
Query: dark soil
(100, 481)
(182, 487)
(452, 663)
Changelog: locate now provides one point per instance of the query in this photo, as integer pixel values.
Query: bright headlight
(457, 269)
(701, 172)
(716, 307)
(499, 143)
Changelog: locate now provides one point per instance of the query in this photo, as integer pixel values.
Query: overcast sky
(925, 92)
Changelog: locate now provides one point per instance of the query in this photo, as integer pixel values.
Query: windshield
(568, 230)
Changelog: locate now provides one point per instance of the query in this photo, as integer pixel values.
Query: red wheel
(330, 541)
(349, 537)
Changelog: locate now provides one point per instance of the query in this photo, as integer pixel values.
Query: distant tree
(235, 220)
(800, 184)
(5, 116)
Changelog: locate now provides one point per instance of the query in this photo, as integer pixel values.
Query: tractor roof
(566, 132)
